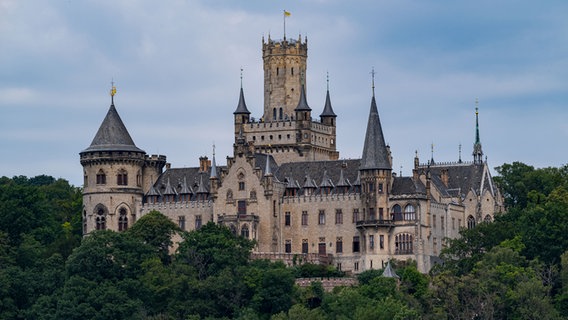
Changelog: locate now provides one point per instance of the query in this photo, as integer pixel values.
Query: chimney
(204, 164)
(445, 177)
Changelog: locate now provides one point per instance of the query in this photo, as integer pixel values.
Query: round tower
(113, 176)
(284, 66)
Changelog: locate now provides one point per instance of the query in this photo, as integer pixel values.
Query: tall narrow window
(356, 247)
(321, 217)
(288, 246)
(338, 216)
(122, 220)
(198, 222)
(287, 219)
(245, 231)
(242, 207)
(322, 246)
(304, 245)
(181, 222)
(101, 219)
(101, 177)
(470, 222)
(304, 218)
(372, 214)
(122, 178)
(339, 245)
(371, 242)
(381, 241)
(355, 215)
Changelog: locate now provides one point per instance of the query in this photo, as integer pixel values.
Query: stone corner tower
(114, 171)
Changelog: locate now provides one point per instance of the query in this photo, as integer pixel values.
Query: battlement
(445, 164)
(285, 44)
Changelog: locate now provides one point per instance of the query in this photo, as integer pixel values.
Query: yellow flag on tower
(287, 14)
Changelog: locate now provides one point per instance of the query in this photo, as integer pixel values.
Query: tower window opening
(101, 177)
(292, 70)
(274, 114)
(101, 219)
(280, 115)
(122, 178)
(122, 220)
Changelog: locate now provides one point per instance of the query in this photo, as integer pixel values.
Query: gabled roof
(462, 178)
(327, 109)
(375, 154)
(407, 186)
(112, 135)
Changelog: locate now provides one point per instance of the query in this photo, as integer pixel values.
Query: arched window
(122, 178)
(403, 243)
(122, 220)
(487, 218)
(233, 229)
(396, 212)
(101, 219)
(245, 231)
(470, 222)
(229, 195)
(280, 115)
(101, 177)
(409, 213)
(274, 114)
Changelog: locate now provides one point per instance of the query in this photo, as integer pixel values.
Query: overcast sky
(176, 65)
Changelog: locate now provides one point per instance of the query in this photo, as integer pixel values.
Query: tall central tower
(284, 72)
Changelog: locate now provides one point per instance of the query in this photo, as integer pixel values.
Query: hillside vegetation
(513, 268)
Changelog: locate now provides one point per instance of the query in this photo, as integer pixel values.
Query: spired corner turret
(477, 151)
(116, 173)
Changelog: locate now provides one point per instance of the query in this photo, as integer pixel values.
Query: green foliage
(212, 248)
(156, 230)
(310, 270)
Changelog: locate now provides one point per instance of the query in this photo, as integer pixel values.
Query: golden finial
(476, 106)
(112, 91)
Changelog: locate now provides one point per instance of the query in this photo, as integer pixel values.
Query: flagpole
(284, 17)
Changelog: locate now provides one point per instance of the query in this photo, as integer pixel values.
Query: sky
(176, 66)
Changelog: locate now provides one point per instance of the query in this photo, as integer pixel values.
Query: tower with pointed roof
(477, 152)
(286, 129)
(116, 173)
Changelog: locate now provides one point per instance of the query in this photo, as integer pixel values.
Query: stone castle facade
(286, 187)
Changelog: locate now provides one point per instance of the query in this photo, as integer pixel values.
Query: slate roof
(112, 135)
(303, 103)
(296, 174)
(177, 177)
(327, 109)
(406, 186)
(375, 155)
(242, 106)
(462, 177)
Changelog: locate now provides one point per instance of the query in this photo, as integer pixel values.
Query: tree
(156, 230)
(213, 248)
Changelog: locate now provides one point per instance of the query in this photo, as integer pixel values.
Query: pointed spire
(153, 191)
(169, 190)
(185, 189)
(201, 187)
(112, 134)
(375, 152)
(326, 181)
(267, 170)
(477, 151)
(327, 109)
(213, 166)
(342, 182)
(303, 104)
(242, 106)
(389, 272)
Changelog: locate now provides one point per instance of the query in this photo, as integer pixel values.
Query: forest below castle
(513, 268)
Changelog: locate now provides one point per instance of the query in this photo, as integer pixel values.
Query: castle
(286, 187)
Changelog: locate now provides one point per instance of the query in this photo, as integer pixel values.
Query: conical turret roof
(375, 154)
(327, 109)
(303, 103)
(112, 135)
(242, 106)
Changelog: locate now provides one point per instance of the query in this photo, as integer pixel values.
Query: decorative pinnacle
(112, 91)
(241, 77)
(327, 80)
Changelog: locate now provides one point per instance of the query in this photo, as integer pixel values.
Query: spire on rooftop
(375, 153)
(213, 166)
(327, 109)
(112, 134)
(303, 104)
(242, 106)
(477, 151)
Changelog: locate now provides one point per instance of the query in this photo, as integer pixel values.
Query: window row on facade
(121, 178)
(403, 244)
